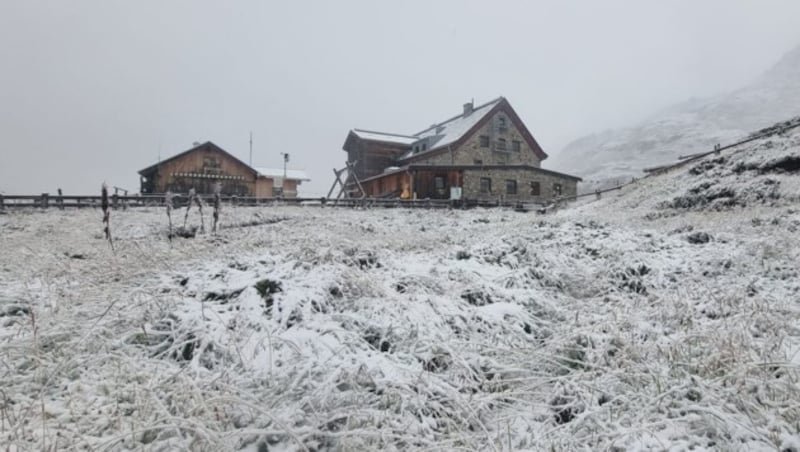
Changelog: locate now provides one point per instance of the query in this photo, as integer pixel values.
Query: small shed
(277, 182)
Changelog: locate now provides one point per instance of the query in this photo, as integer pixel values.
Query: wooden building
(207, 164)
(484, 153)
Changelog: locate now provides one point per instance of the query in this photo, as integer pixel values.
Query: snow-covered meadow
(660, 317)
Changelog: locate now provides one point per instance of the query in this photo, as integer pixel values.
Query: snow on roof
(453, 129)
(278, 172)
(385, 137)
(437, 135)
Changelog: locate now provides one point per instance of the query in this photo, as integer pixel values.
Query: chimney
(467, 109)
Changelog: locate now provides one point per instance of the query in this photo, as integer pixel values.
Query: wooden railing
(46, 200)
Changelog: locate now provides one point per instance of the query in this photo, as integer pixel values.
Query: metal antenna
(251, 148)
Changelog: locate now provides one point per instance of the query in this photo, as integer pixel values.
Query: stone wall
(523, 177)
(471, 152)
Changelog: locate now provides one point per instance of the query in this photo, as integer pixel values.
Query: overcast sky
(92, 91)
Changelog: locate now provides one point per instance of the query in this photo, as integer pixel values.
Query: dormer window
(424, 146)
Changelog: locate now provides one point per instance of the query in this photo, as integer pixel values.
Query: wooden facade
(372, 157)
(203, 167)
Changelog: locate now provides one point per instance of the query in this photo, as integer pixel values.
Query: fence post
(2, 205)
(60, 200)
(44, 200)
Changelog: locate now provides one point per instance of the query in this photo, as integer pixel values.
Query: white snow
(385, 137)
(450, 131)
(597, 327)
(440, 135)
(278, 172)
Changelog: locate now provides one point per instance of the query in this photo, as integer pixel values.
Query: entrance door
(441, 189)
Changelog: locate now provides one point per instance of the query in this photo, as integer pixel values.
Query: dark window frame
(516, 145)
(502, 123)
(484, 141)
(501, 144)
(536, 188)
(437, 179)
(511, 187)
(557, 189)
(486, 185)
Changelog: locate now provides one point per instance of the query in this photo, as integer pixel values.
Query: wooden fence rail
(180, 200)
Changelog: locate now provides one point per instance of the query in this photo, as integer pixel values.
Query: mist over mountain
(692, 126)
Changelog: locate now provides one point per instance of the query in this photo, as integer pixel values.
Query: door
(441, 189)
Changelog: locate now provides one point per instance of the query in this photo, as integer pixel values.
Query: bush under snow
(606, 326)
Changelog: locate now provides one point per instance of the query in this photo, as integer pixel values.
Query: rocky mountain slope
(686, 128)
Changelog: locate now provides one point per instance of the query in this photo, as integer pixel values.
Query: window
(438, 182)
(511, 187)
(424, 146)
(536, 189)
(501, 124)
(484, 141)
(486, 185)
(501, 144)
(478, 162)
(516, 146)
(556, 189)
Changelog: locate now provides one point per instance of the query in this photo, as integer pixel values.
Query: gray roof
(437, 135)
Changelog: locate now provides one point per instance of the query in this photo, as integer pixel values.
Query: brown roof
(413, 167)
(208, 145)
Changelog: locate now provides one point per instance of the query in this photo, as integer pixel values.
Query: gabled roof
(450, 132)
(278, 173)
(453, 129)
(207, 145)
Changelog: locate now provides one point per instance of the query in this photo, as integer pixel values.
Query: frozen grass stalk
(168, 197)
(194, 199)
(106, 214)
(217, 202)
(188, 206)
(199, 203)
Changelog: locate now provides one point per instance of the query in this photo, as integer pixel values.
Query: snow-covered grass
(611, 325)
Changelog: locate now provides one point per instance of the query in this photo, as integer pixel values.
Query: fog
(93, 91)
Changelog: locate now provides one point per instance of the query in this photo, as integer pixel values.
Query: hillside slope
(661, 317)
(686, 128)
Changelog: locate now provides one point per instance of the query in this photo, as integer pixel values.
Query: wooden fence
(45, 200)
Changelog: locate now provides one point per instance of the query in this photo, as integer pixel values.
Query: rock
(698, 238)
